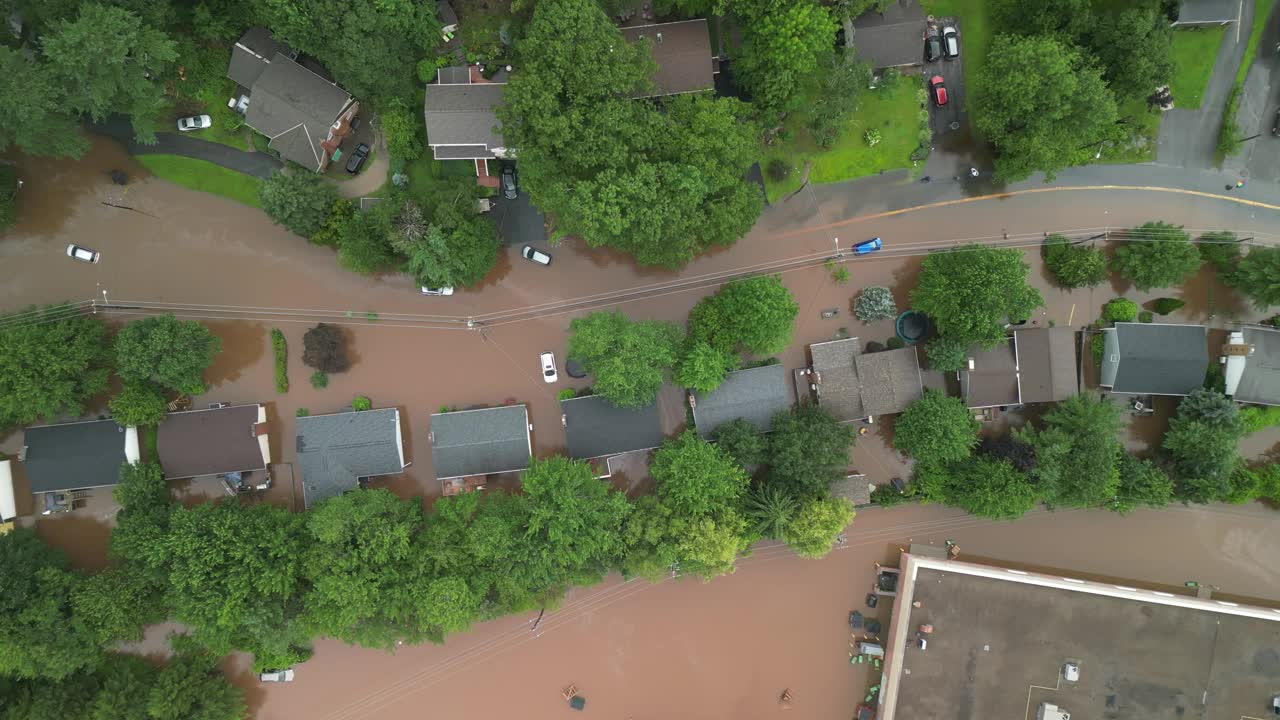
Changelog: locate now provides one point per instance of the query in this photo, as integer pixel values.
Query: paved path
(1188, 138)
(248, 162)
(1259, 159)
(373, 177)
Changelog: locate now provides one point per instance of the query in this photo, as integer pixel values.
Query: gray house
(460, 109)
(1154, 358)
(481, 442)
(597, 428)
(305, 116)
(1253, 365)
(754, 395)
(77, 455)
(336, 451)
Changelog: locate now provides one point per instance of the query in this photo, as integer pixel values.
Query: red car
(939, 90)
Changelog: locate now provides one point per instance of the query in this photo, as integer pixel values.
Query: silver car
(83, 254)
(195, 122)
(535, 255)
(285, 675)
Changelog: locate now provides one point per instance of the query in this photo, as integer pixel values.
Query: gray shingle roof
(335, 451)
(1154, 359)
(993, 381)
(890, 380)
(1260, 382)
(74, 455)
(840, 391)
(1047, 363)
(682, 51)
(754, 395)
(208, 442)
(896, 45)
(252, 54)
(480, 442)
(463, 114)
(596, 427)
(295, 108)
(855, 488)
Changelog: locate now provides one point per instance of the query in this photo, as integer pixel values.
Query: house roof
(253, 54)
(1154, 358)
(1046, 363)
(335, 451)
(480, 442)
(1191, 12)
(682, 51)
(854, 488)
(74, 455)
(856, 384)
(209, 442)
(993, 380)
(596, 427)
(754, 395)
(295, 108)
(1260, 382)
(460, 114)
(445, 13)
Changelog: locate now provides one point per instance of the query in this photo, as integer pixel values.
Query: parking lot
(950, 117)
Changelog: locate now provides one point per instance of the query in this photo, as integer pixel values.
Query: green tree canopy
(991, 488)
(972, 291)
(696, 478)
(117, 603)
(364, 241)
(139, 404)
(167, 351)
(39, 634)
(1135, 47)
(1076, 452)
(574, 520)
(946, 354)
(298, 201)
(743, 442)
(1257, 275)
(1065, 19)
(52, 361)
(771, 509)
(190, 687)
(783, 44)
(808, 450)
(35, 118)
(662, 183)
(1074, 266)
(1141, 483)
(143, 519)
(1042, 103)
(628, 359)
(702, 366)
(1156, 255)
(757, 315)
(1202, 442)
(815, 526)
(936, 428)
(456, 249)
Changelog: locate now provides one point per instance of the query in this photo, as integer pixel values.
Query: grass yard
(204, 176)
(428, 176)
(892, 111)
(1194, 53)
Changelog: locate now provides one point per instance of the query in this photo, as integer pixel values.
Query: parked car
(195, 122)
(535, 255)
(549, 373)
(285, 675)
(932, 44)
(938, 90)
(445, 291)
(867, 246)
(950, 43)
(510, 183)
(83, 254)
(358, 156)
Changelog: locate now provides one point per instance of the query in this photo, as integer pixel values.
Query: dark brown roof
(992, 376)
(1046, 363)
(682, 51)
(209, 442)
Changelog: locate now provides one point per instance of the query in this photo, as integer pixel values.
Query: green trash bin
(577, 702)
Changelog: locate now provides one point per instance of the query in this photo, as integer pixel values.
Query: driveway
(518, 221)
(248, 162)
(950, 117)
(1259, 158)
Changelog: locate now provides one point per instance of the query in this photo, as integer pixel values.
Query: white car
(285, 675)
(549, 373)
(535, 255)
(83, 254)
(950, 43)
(195, 122)
(445, 291)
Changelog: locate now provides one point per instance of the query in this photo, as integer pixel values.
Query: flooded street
(671, 649)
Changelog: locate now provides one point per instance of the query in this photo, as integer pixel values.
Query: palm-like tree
(771, 508)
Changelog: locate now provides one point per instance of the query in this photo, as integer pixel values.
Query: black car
(932, 44)
(510, 184)
(358, 156)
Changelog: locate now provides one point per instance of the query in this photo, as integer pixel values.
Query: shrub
(945, 354)
(840, 275)
(1120, 310)
(1074, 266)
(875, 303)
(1259, 418)
(319, 380)
(361, 403)
(324, 348)
(1273, 321)
(427, 70)
(872, 137)
(1098, 346)
(1219, 249)
(778, 170)
(301, 412)
(1145, 316)
(1229, 132)
(895, 343)
(139, 404)
(281, 352)
(401, 130)
(1166, 305)
(567, 394)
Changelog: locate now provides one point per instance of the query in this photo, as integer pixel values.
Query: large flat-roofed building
(999, 641)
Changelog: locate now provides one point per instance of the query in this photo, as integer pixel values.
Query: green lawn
(1261, 11)
(204, 176)
(1194, 53)
(214, 99)
(893, 111)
